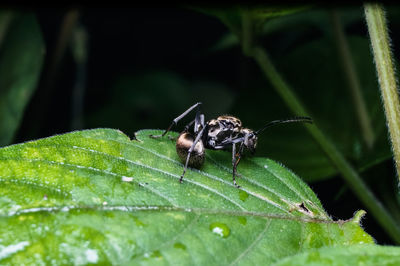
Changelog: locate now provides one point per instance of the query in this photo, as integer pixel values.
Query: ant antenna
(290, 120)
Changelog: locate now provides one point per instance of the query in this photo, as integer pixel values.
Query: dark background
(144, 66)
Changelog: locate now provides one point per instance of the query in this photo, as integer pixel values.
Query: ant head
(250, 141)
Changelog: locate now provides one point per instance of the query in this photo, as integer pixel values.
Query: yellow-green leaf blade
(95, 196)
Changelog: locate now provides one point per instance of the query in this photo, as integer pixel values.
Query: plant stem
(354, 84)
(380, 43)
(5, 22)
(247, 30)
(349, 174)
(68, 23)
(80, 52)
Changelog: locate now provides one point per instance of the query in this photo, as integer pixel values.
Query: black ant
(222, 133)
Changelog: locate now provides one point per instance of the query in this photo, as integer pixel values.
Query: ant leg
(198, 137)
(235, 161)
(176, 120)
(186, 128)
(233, 153)
(234, 165)
(198, 122)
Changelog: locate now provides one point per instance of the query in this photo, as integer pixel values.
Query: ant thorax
(222, 129)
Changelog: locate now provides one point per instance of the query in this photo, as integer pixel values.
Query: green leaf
(356, 255)
(21, 59)
(95, 196)
(294, 27)
(232, 16)
(267, 12)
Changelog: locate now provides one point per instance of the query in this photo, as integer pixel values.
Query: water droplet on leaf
(243, 195)
(242, 220)
(156, 254)
(220, 229)
(179, 245)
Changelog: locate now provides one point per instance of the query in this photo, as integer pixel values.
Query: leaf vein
(248, 249)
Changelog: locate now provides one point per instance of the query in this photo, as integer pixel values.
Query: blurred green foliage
(21, 58)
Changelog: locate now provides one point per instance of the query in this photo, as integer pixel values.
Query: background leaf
(95, 196)
(293, 27)
(21, 59)
(232, 16)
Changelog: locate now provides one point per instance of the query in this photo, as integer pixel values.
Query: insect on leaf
(95, 196)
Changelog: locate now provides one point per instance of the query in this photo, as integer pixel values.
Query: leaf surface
(95, 196)
(356, 255)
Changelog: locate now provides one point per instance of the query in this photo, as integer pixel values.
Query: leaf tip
(358, 216)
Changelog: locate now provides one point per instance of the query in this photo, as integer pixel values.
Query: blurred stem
(391, 203)
(352, 79)
(67, 26)
(247, 30)
(380, 43)
(5, 21)
(79, 52)
(349, 174)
